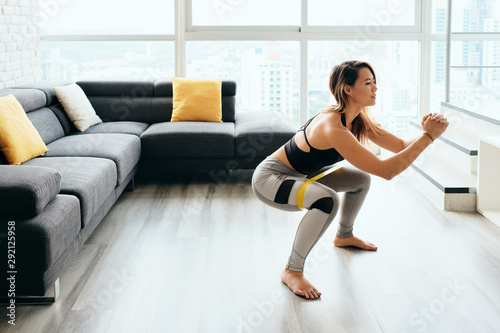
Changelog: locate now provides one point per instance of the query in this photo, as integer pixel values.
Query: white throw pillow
(77, 106)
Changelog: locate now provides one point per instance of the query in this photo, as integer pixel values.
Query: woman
(336, 133)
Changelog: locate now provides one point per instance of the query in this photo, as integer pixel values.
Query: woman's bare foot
(354, 241)
(299, 284)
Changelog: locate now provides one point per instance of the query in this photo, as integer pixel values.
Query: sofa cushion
(124, 127)
(19, 139)
(188, 140)
(164, 88)
(144, 101)
(26, 190)
(228, 108)
(135, 89)
(115, 108)
(123, 149)
(47, 124)
(77, 106)
(259, 134)
(43, 238)
(30, 99)
(47, 87)
(63, 118)
(91, 180)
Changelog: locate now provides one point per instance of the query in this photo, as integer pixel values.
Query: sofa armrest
(26, 190)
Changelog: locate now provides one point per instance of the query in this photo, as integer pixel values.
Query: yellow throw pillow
(197, 100)
(19, 139)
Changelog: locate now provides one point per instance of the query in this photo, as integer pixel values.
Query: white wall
(20, 54)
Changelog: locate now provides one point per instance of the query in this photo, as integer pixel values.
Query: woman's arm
(362, 158)
(391, 142)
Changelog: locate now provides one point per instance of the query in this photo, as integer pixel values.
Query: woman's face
(364, 89)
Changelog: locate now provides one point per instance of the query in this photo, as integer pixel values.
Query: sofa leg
(33, 300)
(131, 185)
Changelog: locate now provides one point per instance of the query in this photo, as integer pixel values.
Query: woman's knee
(366, 180)
(325, 205)
(360, 179)
(328, 202)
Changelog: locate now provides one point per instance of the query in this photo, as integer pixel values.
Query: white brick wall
(20, 60)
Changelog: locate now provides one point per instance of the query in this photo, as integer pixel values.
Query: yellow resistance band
(303, 188)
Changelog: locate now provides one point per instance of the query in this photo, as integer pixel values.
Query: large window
(280, 53)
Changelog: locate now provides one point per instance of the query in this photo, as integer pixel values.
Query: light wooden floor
(199, 255)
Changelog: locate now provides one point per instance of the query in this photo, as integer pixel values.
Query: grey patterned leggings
(276, 185)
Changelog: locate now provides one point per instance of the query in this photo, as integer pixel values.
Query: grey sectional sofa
(57, 200)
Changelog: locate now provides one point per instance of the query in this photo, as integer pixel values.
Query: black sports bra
(312, 161)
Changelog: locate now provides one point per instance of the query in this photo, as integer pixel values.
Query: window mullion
(304, 82)
(448, 53)
(425, 58)
(182, 12)
(303, 100)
